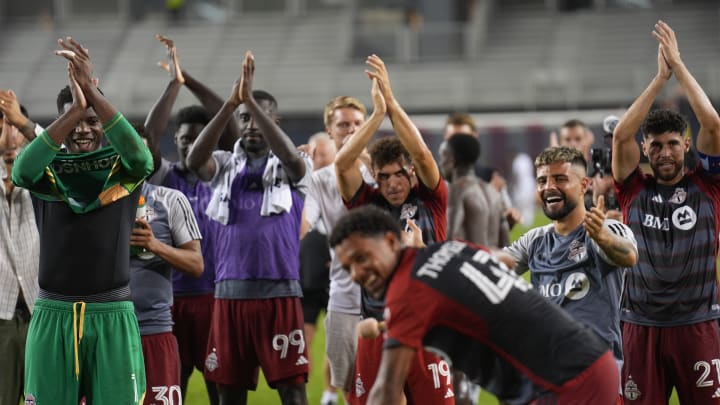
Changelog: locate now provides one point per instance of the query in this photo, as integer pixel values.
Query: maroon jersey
(675, 279)
(427, 207)
(459, 302)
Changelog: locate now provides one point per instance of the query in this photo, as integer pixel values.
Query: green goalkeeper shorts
(79, 349)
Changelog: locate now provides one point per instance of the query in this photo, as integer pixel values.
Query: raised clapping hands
(172, 64)
(379, 73)
(248, 72)
(242, 89)
(79, 99)
(668, 45)
(379, 106)
(79, 62)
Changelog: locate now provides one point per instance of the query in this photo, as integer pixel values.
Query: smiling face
(666, 154)
(88, 133)
(370, 260)
(561, 188)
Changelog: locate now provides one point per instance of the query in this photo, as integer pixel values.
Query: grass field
(265, 396)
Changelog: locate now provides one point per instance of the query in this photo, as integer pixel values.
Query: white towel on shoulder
(277, 194)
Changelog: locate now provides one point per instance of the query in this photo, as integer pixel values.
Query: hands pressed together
(172, 64)
(242, 89)
(79, 70)
(668, 51)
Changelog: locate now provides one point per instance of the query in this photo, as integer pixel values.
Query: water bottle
(138, 251)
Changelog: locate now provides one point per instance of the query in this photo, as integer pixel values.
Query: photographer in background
(600, 171)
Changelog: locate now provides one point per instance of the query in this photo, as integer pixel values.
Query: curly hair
(562, 154)
(341, 102)
(659, 122)
(367, 220)
(388, 150)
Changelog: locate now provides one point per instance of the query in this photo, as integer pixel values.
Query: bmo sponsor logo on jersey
(575, 287)
(683, 218)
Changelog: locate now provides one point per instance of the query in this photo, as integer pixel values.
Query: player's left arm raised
(708, 140)
(422, 158)
(394, 367)
(617, 244)
(279, 142)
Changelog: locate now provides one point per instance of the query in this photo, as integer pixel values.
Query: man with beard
(18, 254)
(577, 261)
(258, 199)
(83, 338)
(670, 300)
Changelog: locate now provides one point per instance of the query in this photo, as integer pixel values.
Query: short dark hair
(562, 154)
(193, 114)
(465, 148)
(573, 123)
(65, 96)
(659, 122)
(264, 95)
(367, 220)
(388, 150)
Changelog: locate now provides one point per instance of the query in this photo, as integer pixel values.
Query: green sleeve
(135, 156)
(30, 164)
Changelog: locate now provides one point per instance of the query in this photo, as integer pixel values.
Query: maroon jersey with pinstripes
(675, 279)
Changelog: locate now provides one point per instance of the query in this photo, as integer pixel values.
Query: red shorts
(192, 315)
(162, 369)
(597, 385)
(248, 334)
(429, 380)
(658, 358)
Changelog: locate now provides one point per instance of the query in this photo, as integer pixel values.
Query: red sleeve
(437, 201)
(366, 194)
(408, 307)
